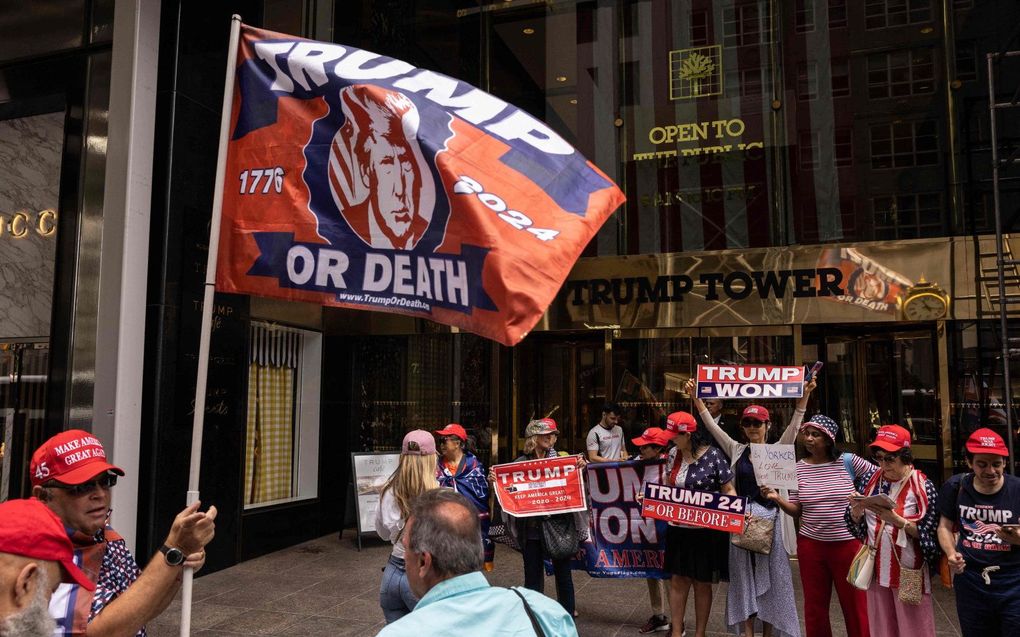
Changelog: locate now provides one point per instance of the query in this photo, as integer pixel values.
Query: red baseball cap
(756, 412)
(680, 422)
(453, 429)
(651, 436)
(985, 440)
(28, 528)
(71, 457)
(891, 438)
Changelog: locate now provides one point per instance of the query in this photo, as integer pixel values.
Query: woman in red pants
(825, 548)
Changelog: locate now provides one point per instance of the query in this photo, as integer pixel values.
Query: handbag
(559, 536)
(911, 584)
(757, 535)
(862, 568)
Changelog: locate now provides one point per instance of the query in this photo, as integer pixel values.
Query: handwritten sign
(750, 381)
(774, 465)
(694, 508)
(540, 487)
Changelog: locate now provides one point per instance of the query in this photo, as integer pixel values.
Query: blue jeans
(395, 596)
(988, 610)
(534, 574)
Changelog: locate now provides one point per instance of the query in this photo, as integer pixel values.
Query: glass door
(23, 368)
(880, 379)
(561, 378)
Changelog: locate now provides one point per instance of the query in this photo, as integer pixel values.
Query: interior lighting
(528, 31)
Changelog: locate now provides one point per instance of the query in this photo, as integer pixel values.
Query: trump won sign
(360, 181)
(694, 508)
(750, 381)
(540, 487)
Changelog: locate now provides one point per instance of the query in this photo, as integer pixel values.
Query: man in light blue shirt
(443, 556)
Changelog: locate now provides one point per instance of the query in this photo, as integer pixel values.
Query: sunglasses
(887, 458)
(752, 423)
(77, 490)
(683, 433)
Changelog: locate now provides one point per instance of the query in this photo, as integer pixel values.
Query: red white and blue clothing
(822, 492)
(916, 500)
(469, 480)
(106, 560)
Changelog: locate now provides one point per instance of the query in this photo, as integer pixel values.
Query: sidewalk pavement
(327, 587)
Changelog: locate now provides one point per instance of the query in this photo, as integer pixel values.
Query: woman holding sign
(751, 599)
(529, 534)
(896, 517)
(825, 547)
(694, 556)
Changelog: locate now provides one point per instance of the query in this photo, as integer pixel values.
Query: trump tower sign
(356, 180)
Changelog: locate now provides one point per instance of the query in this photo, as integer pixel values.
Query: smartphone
(1010, 527)
(814, 369)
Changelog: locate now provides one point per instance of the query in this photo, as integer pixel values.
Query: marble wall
(30, 149)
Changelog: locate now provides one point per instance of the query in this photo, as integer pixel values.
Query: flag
(360, 181)
(980, 528)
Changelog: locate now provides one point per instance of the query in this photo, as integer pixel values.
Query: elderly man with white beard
(35, 556)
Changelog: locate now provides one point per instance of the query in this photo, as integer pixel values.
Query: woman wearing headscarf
(825, 478)
(461, 471)
(761, 585)
(415, 474)
(902, 538)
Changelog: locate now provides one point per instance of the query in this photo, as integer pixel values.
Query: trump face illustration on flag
(378, 177)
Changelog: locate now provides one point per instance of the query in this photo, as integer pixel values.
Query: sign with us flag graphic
(361, 181)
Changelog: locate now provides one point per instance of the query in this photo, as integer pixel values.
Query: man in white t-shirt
(605, 440)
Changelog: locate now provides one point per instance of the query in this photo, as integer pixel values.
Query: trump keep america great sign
(361, 181)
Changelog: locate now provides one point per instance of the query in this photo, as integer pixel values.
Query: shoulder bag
(531, 614)
(862, 568)
(559, 536)
(757, 535)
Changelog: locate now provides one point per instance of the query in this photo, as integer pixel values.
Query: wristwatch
(173, 556)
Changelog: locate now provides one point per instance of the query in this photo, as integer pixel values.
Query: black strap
(531, 614)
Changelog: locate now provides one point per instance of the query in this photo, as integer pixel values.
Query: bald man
(35, 556)
(443, 556)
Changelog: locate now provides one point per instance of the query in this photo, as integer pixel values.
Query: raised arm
(728, 444)
(790, 433)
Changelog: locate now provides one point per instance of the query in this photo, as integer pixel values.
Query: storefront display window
(282, 439)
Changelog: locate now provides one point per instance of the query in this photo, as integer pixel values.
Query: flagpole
(207, 304)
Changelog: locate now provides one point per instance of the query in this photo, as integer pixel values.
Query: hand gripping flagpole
(207, 304)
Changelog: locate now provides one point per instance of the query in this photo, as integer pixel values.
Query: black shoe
(655, 624)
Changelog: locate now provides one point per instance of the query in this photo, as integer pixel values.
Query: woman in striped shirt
(824, 546)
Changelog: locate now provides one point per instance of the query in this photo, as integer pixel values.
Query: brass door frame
(937, 338)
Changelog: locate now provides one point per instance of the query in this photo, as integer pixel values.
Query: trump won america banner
(361, 181)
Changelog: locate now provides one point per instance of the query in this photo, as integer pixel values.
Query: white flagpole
(207, 304)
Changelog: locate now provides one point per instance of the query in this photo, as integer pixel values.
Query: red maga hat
(29, 529)
(650, 436)
(680, 422)
(756, 412)
(453, 429)
(985, 440)
(891, 438)
(71, 457)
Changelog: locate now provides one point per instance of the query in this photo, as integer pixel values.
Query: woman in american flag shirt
(903, 537)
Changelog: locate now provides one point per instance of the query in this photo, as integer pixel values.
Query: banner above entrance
(919, 280)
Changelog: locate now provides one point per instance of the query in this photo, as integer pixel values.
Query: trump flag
(360, 181)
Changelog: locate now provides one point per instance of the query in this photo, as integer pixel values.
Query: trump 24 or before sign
(540, 487)
(694, 508)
